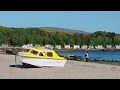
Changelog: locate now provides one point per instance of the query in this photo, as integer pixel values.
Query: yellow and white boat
(40, 57)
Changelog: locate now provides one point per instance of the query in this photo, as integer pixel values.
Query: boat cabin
(40, 53)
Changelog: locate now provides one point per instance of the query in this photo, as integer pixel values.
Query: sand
(71, 70)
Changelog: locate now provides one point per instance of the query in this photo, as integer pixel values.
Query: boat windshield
(26, 50)
(49, 54)
(40, 54)
(34, 52)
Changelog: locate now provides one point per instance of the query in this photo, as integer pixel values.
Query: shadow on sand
(16, 66)
(22, 66)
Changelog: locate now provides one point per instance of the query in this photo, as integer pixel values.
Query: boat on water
(39, 57)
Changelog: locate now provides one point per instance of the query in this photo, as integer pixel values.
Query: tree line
(19, 36)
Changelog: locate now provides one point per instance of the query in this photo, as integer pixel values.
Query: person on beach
(86, 57)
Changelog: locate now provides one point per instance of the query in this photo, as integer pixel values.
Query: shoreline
(90, 50)
(94, 60)
(110, 62)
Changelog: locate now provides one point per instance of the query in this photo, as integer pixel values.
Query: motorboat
(40, 57)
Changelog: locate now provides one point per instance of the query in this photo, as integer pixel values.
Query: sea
(100, 55)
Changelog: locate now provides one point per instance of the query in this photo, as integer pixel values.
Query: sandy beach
(71, 70)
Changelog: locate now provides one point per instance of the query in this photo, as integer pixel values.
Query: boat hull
(39, 62)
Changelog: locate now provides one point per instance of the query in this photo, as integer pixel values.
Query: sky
(89, 21)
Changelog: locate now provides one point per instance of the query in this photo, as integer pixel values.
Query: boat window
(49, 54)
(34, 52)
(41, 54)
(26, 50)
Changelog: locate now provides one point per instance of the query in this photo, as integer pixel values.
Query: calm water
(102, 55)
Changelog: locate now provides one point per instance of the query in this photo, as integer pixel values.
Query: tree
(13, 41)
(98, 40)
(45, 42)
(92, 41)
(117, 40)
(58, 39)
(1, 27)
(71, 42)
(107, 41)
(53, 42)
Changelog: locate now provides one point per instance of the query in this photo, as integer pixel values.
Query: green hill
(19, 36)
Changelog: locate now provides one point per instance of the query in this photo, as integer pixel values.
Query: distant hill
(65, 30)
(47, 35)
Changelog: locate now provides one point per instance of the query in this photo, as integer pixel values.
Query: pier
(10, 50)
(2, 52)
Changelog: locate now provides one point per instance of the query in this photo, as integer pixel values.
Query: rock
(71, 57)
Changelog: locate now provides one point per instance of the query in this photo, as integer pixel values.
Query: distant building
(76, 46)
(4, 45)
(58, 46)
(49, 47)
(37, 45)
(84, 47)
(99, 47)
(109, 46)
(67, 46)
(24, 46)
(95, 47)
(27, 45)
(117, 46)
(90, 47)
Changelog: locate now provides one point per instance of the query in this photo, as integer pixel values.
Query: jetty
(2, 52)
(10, 50)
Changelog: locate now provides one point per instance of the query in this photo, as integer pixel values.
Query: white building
(24, 46)
(90, 47)
(58, 46)
(27, 45)
(99, 47)
(76, 46)
(67, 46)
(4, 45)
(37, 45)
(117, 46)
(109, 46)
(84, 47)
(49, 47)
